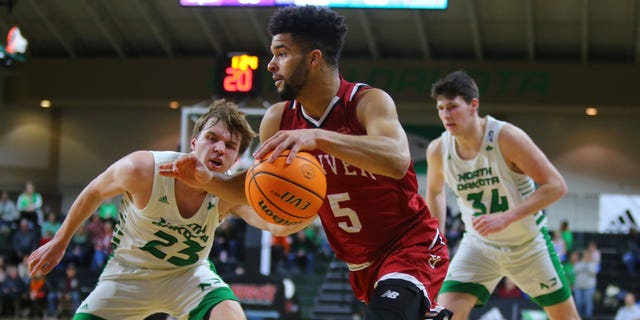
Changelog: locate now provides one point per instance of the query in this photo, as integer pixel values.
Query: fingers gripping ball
(286, 194)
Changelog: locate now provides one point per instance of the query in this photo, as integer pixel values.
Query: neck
(319, 91)
(472, 139)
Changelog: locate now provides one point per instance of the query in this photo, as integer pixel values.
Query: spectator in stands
(631, 255)
(24, 241)
(302, 253)
(14, 290)
(23, 269)
(559, 245)
(586, 271)
(108, 210)
(596, 255)
(9, 214)
(69, 293)
(630, 310)
(95, 226)
(49, 227)
(323, 249)
(574, 257)
(508, 289)
(3, 274)
(80, 249)
(454, 231)
(38, 295)
(280, 248)
(102, 247)
(225, 246)
(30, 205)
(567, 235)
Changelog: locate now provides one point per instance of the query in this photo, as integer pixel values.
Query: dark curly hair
(457, 83)
(314, 27)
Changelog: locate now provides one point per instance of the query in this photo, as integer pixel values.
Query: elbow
(282, 231)
(399, 169)
(561, 189)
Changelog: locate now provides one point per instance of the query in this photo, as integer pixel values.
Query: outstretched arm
(383, 150)
(191, 171)
(132, 174)
(251, 217)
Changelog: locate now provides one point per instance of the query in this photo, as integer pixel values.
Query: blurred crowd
(26, 223)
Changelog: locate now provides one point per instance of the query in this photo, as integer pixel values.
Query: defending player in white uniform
(493, 168)
(165, 230)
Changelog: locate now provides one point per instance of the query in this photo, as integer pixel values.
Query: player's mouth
(215, 164)
(278, 81)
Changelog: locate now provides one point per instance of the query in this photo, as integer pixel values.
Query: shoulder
(375, 103)
(434, 147)
(276, 109)
(136, 165)
(270, 123)
(373, 96)
(510, 133)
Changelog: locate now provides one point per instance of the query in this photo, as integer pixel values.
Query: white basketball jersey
(158, 237)
(486, 185)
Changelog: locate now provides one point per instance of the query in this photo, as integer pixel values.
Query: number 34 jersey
(486, 185)
(157, 236)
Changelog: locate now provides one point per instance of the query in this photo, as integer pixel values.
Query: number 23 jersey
(157, 236)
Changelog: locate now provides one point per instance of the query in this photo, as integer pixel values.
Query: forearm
(376, 154)
(85, 205)
(228, 187)
(282, 231)
(542, 198)
(438, 207)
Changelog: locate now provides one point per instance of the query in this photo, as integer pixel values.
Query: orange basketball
(286, 194)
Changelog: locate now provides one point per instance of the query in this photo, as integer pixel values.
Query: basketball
(286, 194)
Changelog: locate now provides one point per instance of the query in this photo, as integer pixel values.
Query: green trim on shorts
(86, 316)
(474, 289)
(563, 293)
(212, 299)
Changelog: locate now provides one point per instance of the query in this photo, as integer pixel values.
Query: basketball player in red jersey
(373, 216)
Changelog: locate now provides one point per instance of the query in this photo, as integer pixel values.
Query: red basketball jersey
(364, 215)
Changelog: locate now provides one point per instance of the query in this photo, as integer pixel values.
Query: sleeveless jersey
(158, 237)
(486, 185)
(364, 215)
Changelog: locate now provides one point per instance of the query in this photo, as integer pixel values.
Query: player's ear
(193, 144)
(315, 56)
(475, 104)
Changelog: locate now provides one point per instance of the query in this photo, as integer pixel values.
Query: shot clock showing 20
(240, 74)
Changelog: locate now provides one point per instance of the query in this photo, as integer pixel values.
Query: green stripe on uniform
(474, 289)
(561, 294)
(86, 316)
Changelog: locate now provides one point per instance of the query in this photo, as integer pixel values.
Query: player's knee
(396, 300)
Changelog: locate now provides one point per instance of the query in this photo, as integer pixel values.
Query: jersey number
(191, 252)
(351, 226)
(498, 203)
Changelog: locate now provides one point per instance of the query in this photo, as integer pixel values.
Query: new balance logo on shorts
(390, 294)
